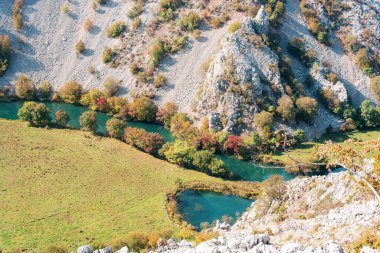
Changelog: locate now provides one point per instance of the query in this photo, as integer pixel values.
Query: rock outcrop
(243, 71)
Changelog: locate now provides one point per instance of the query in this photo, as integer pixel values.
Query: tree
(178, 152)
(71, 92)
(143, 109)
(286, 108)
(118, 105)
(25, 88)
(166, 112)
(94, 99)
(375, 87)
(111, 86)
(35, 113)
(115, 127)
(369, 114)
(264, 120)
(88, 121)
(44, 90)
(181, 127)
(148, 142)
(307, 108)
(61, 118)
(207, 162)
(5, 45)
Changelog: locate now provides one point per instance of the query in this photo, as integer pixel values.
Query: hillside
(71, 187)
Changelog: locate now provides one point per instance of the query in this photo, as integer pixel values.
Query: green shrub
(88, 121)
(207, 162)
(5, 45)
(116, 29)
(189, 22)
(25, 88)
(234, 27)
(369, 114)
(157, 52)
(141, 139)
(178, 152)
(65, 8)
(35, 113)
(166, 8)
(108, 55)
(71, 92)
(115, 127)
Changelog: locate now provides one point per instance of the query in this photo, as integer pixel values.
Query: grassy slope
(69, 187)
(306, 149)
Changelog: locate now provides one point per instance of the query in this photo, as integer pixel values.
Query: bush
(143, 109)
(234, 145)
(80, 47)
(159, 81)
(88, 121)
(181, 127)
(44, 90)
(306, 108)
(18, 21)
(189, 22)
(362, 59)
(141, 139)
(299, 135)
(136, 241)
(286, 108)
(166, 8)
(207, 162)
(264, 120)
(71, 92)
(375, 87)
(25, 88)
(88, 25)
(166, 112)
(116, 29)
(61, 118)
(5, 45)
(65, 8)
(157, 52)
(369, 114)
(178, 152)
(35, 113)
(118, 105)
(108, 55)
(136, 10)
(115, 127)
(111, 86)
(215, 22)
(234, 27)
(273, 193)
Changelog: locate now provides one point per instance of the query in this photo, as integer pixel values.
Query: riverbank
(305, 151)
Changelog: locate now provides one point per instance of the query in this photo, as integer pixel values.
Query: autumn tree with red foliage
(141, 139)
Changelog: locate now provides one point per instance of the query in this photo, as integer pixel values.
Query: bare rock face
(320, 73)
(243, 71)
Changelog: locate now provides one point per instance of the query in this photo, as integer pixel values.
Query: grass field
(68, 187)
(305, 149)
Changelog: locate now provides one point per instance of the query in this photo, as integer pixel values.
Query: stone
(124, 249)
(105, 250)
(85, 249)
